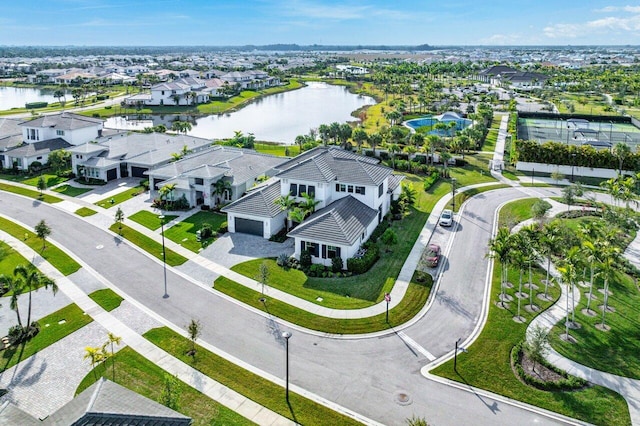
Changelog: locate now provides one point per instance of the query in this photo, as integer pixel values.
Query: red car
(432, 256)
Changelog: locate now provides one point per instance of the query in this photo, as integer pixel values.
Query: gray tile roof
(259, 202)
(236, 163)
(107, 403)
(42, 147)
(10, 127)
(63, 121)
(335, 151)
(326, 166)
(12, 415)
(340, 223)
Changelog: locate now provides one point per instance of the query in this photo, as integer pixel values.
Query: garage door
(248, 226)
(138, 171)
(112, 174)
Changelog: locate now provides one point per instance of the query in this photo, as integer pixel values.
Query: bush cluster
(379, 231)
(363, 264)
(567, 383)
(430, 180)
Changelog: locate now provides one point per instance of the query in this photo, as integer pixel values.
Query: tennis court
(599, 134)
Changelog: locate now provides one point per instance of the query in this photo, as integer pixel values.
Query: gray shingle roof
(327, 167)
(394, 182)
(259, 202)
(341, 222)
(63, 121)
(107, 403)
(42, 147)
(12, 415)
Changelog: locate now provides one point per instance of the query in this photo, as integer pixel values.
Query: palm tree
(95, 356)
(221, 187)
(166, 192)
(112, 339)
(519, 259)
(375, 140)
(297, 215)
(607, 266)
(33, 280)
(16, 286)
(500, 247)
(308, 204)
(568, 275)
(621, 151)
(548, 245)
(286, 203)
(591, 252)
(360, 137)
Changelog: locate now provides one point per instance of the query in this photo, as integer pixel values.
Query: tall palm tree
(568, 275)
(308, 204)
(610, 257)
(220, 188)
(95, 355)
(549, 243)
(33, 280)
(500, 247)
(590, 251)
(519, 259)
(112, 339)
(16, 286)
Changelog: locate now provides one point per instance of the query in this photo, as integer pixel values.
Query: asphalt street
(378, 377)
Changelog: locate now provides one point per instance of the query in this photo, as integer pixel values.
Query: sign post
(387, 298)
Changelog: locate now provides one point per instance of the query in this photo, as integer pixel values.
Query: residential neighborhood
(459, 247)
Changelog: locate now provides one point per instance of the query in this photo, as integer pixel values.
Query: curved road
(366, 374)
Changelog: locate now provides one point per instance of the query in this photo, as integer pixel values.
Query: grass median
(262, 391)
(36, 195)
(52, 254)
(415, 298)
(148, 244)
(120, 197)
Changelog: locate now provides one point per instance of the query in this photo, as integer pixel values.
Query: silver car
(446, 218)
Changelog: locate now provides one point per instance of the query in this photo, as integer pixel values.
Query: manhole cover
(403, 398)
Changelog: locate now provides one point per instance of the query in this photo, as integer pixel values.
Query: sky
(326, 22)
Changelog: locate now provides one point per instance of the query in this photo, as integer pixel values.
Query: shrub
(145, 184)
(223, 228)
(204, 207)
(15, 335)
(378, 231)
(430, 180)
(337, 264)
(32, 105)
(316, 270)
(567, 383)
(363, 264)
(305, 258)
(206, 231)
(283, 260)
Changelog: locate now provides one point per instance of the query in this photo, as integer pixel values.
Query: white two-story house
(354, 193)
(49, 133)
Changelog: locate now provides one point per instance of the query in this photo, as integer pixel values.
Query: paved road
(370, 375)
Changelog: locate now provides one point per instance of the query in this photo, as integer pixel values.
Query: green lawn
(85, 211)
(516, 212)
(277, 149)
(9, 259)
(184, 233)
(150, 220)
(142, 376)
(415, 298)
(256, 388)
(51, 180)
(29, 193)
(149, 245)
(74, 319)
(106, 298)
(487, 365)
(120, 197)
(461, 197)
(58, 258)
(71, 191)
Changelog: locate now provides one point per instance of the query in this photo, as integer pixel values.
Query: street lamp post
(164, 256)
(286, 335)
(453, 190)
(387, 298)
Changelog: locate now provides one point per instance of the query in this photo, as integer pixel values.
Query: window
(39, 158)
(301, 190)
(59, 132)
(360, 190)
(199, 181)
(333, 251)
(350, 188)
(313, 248)
(293, 189)
(227, 195)
(311, 191)
(380, 189)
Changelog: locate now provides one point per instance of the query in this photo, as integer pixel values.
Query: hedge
(364, 263)
(430, 180)
(32, 105)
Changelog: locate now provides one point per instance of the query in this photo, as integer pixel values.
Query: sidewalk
(628, 388)
(133, 339)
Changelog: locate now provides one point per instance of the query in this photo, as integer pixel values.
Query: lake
(275, 118)
(16, 97)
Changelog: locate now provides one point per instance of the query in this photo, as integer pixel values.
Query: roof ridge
(94, 395)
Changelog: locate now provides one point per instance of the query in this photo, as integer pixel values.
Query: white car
(446, 218)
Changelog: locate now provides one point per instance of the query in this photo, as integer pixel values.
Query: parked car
(432, 256)
(446, 218)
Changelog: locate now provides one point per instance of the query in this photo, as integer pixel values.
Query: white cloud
(321, 11)
(502, 39)
(609, 9)
(598, 26)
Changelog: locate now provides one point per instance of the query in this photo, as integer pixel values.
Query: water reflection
(279, 118)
